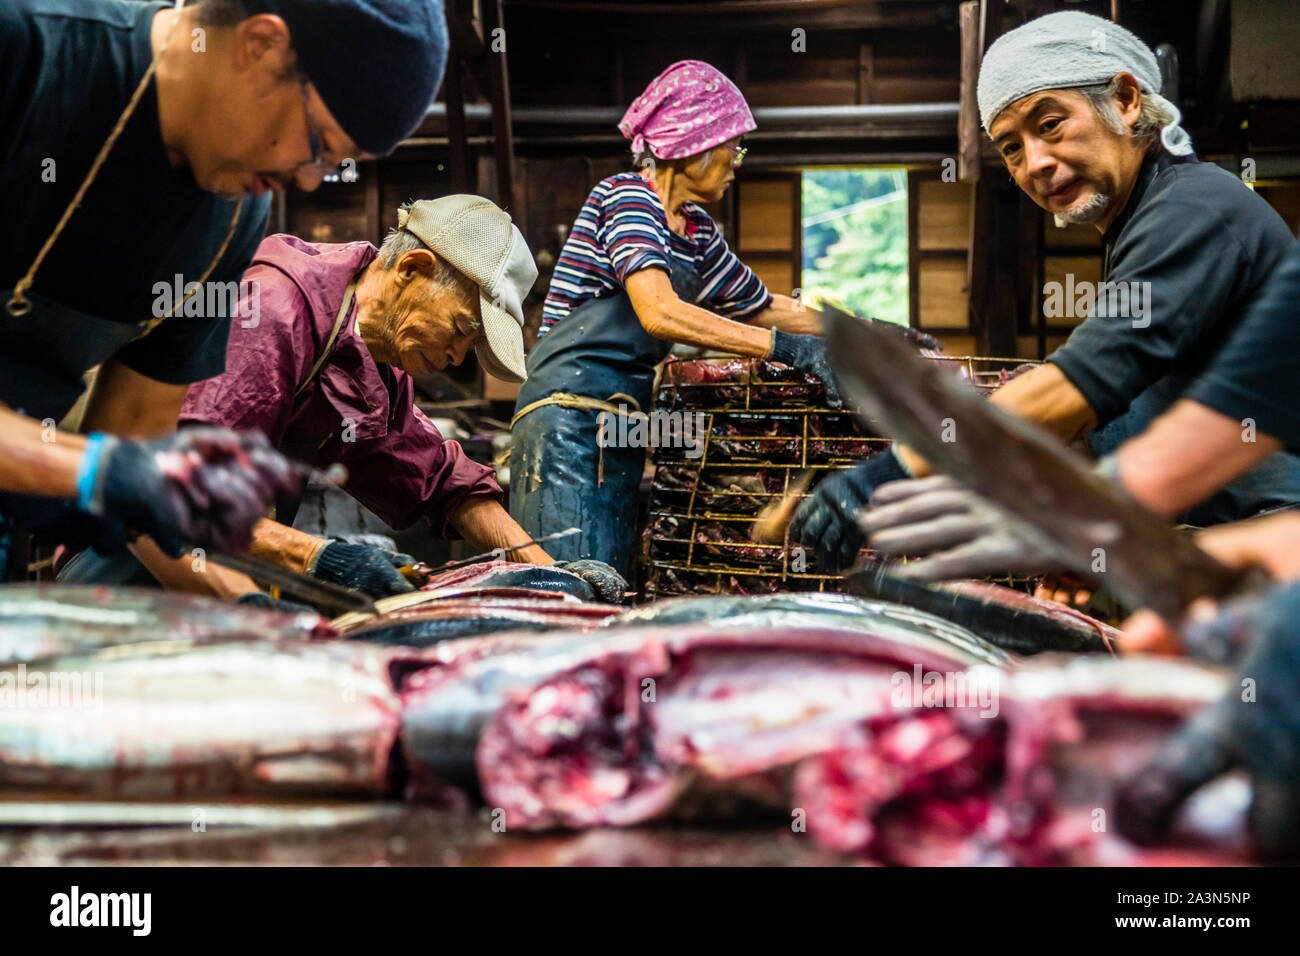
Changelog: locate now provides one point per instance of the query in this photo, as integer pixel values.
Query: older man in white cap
(1072, 104)
(324, 368)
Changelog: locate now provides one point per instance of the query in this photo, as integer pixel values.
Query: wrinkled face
(433, 328)
(255, 132)
(1062, 155)
(709, 179)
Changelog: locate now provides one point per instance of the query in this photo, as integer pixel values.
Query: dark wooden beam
(498, 91)
(866, 74)
(913, 258)
(968, 119)
(453, 91)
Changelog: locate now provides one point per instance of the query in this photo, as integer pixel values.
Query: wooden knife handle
(773, 520)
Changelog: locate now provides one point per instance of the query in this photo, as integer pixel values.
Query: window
(855, 240)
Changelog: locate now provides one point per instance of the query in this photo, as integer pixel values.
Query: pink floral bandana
(688, 108)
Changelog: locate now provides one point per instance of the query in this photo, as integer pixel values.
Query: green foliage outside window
(855, 240)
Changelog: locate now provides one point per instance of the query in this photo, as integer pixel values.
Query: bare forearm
(688, 324)
(665, 316)
(36, 459)
(790, 316)
(1186, 455)
(486, 525)
(283, 545)
(1045, 397)
(1049, 400)
(192, 574)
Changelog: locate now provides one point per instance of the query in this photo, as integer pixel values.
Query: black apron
(559, 475)
(602, 349)
(47, 347)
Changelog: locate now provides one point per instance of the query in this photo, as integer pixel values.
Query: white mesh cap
(478, 238)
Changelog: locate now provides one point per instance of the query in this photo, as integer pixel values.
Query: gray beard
(1088, 211)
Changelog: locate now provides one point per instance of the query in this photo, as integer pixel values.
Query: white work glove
(956, 532)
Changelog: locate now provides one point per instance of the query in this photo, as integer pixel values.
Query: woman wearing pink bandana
(644, 267)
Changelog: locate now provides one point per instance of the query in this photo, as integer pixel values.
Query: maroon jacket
(356, 411)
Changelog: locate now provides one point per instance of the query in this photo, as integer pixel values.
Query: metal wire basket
(764, 426)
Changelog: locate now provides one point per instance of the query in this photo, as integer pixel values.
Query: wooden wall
(938, 232)
(769, 232)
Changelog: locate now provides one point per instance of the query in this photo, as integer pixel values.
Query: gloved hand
(604, 580)
(1255, 726)
(197, 486)
(963, 535)
(372, 571)
(264, 601)
(808, 354)
(828, 520)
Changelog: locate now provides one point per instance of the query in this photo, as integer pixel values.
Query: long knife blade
(297, 584)
(501, 552)
(1074, 514)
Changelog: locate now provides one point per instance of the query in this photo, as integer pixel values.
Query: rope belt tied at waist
(582, 403)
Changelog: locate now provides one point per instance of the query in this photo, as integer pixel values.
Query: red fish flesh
(1036, 785)
(621, 735)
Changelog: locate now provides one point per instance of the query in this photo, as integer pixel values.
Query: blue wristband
(88, 474)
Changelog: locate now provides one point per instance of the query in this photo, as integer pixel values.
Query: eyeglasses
(313, 137)
(738, 155)
(346, 170)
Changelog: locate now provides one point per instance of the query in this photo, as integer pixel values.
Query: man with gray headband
(1071, 102)
(323, 367)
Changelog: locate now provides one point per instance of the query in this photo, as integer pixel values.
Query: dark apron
(45, 353)
(43, 356)
(46, 347)
(560, 477)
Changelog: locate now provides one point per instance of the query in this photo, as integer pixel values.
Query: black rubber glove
(828, 520)
(1256, 726)
(604, 580)
(372, 571)
(260, 599)
(808, 354)
(198, 486)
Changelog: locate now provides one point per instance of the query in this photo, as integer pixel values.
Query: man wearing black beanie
(139, 143)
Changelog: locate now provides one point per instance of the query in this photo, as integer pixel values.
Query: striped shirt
(622, 229)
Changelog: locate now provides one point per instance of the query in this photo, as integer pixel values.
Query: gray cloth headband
(1062, 51)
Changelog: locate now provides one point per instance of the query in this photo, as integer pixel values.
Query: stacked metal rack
(764, 425)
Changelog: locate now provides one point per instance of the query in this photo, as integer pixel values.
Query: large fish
(470, 578)
(423, 624)
(48, 620)
(622, 730)
(1034, 785)
(182, 718)
(764, 610)
(1013, 620)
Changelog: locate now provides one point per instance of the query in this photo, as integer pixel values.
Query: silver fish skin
(182, 719)
(765, 610)
(49, 620)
